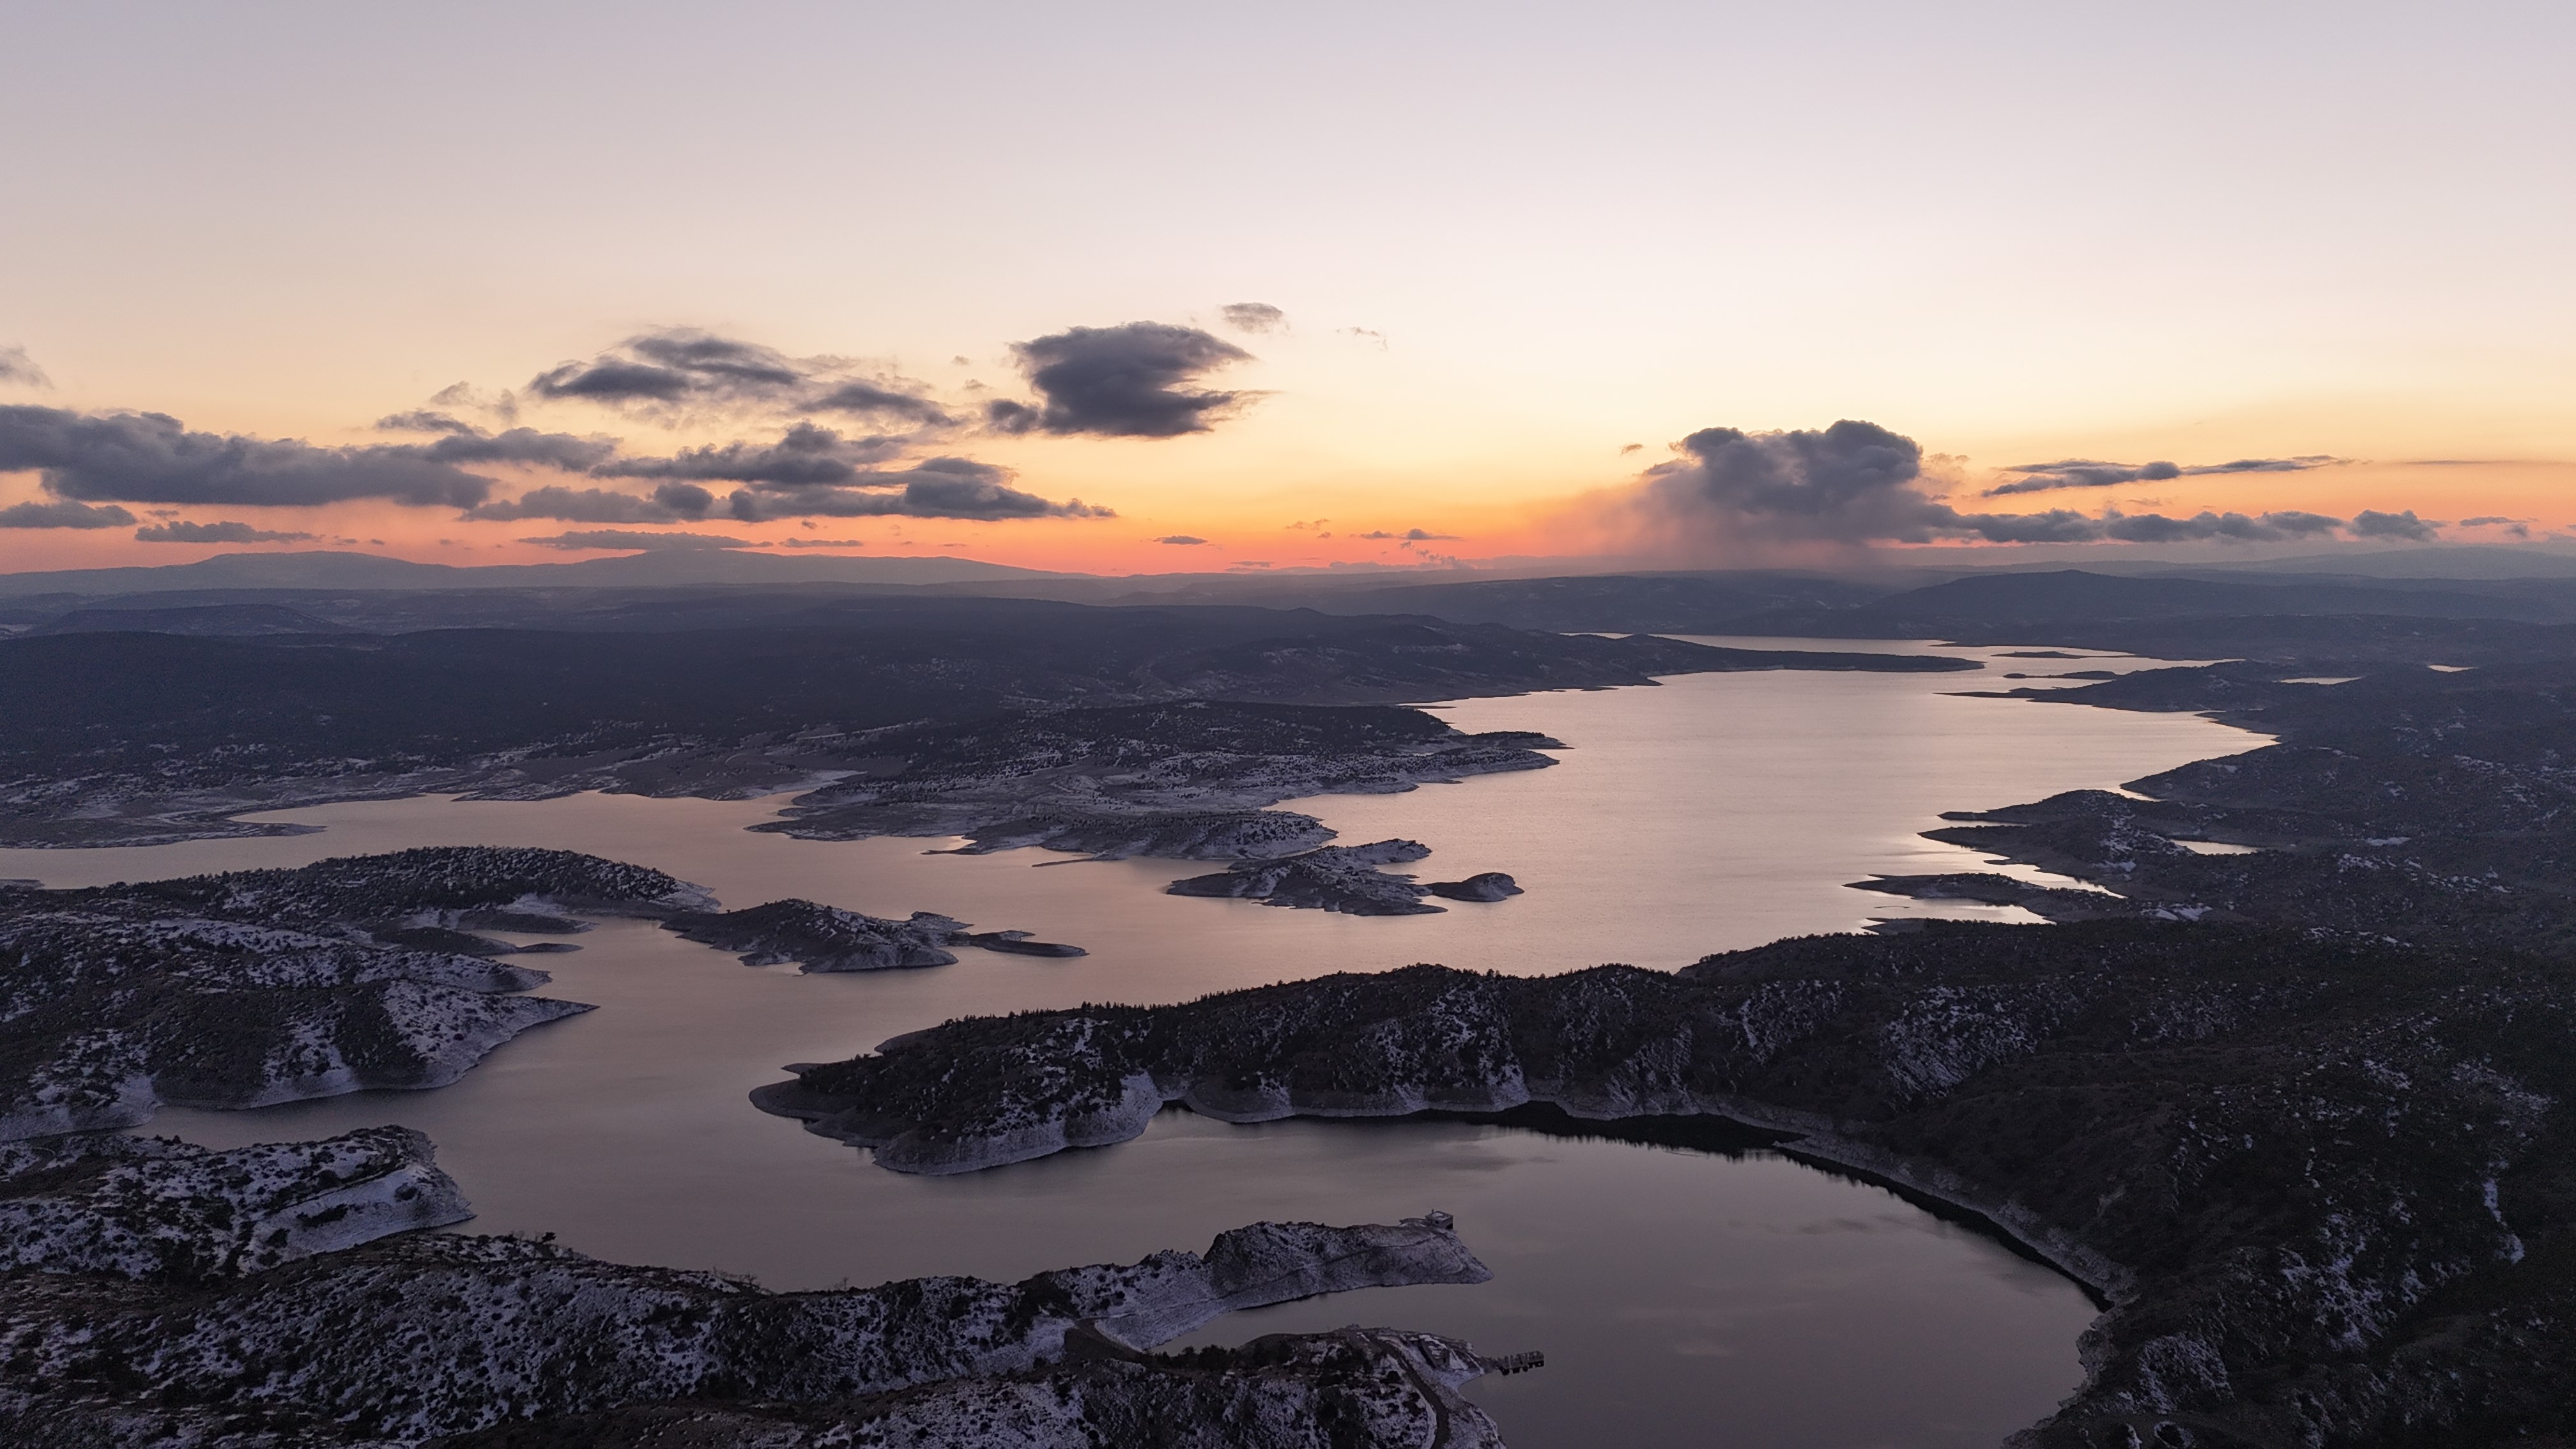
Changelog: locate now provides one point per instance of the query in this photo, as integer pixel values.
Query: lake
(1681, 1296)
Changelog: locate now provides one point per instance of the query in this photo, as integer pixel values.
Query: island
(1345, 878)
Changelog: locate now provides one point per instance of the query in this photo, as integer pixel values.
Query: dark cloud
(868, 399)
(522, 445)
(464, 442)
(2092, 473)
(934, 488)
(1368, 335)
(1253, 316)
(674, 366)
(670, 503)
(152, 458)
(609, 380)
(2371, 523)
(2300, 524)
(809, 471)
(1410, 535)
(1856, 483)
(1179, 538)
(684, 368)
(2080, 473)
(502, 405)
(2513, 527)
(63, 515)
(2225, 527)
(2269, 465)
(2057, 525)
(19, 370)
(1128, 381)
(822, 543)
(1851, 483)
(633, 540)
(224, 532)
(426, 420)
(805, 456)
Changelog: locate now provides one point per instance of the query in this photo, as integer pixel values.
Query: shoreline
(1794, 1134)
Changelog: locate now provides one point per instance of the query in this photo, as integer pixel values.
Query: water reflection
(1681, 1294)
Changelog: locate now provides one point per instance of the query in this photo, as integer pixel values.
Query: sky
(1130, 287)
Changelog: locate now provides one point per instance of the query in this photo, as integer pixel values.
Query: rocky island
(828, 938)
(1346, 878)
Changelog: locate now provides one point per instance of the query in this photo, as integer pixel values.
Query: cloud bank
(934, 488)
(804, 456)
(85, 459)
(636, 540)
(2403, 527)
(2092, 473)
(670, 503)
(227, 531)
(1856, 484)
(2513, 527)
(152, 458)
(63, 515)
(1136, 380)
(686, 369)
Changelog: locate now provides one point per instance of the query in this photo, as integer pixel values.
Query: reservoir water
(1682, 1297)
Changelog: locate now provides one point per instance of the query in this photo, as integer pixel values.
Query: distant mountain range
(324, 569)
(2259, 609)
(334, 570)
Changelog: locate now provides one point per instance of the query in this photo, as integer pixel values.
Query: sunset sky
(1392, 283)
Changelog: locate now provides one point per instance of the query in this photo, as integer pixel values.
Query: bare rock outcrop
(435, 1335)
(828, 938)
(144, 1208)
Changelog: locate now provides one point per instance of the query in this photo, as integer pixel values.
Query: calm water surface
(1682, 1297)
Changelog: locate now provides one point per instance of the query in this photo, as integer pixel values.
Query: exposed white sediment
(441, 1334)
(145, 1208)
